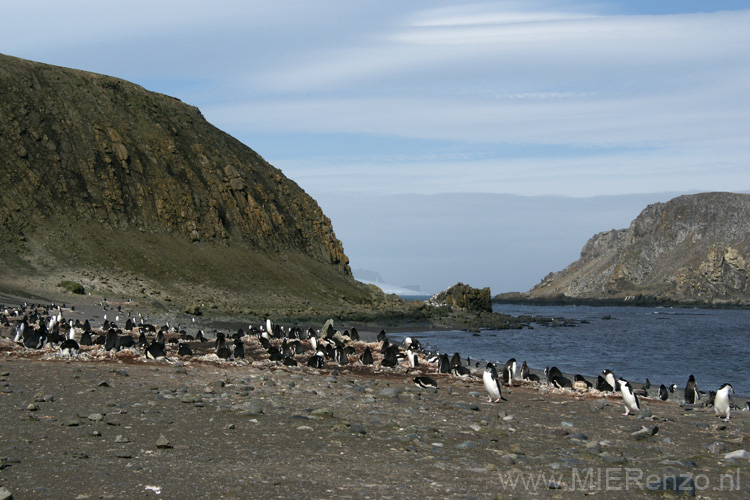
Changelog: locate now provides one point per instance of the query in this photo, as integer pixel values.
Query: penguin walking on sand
(492, 384)
(628, 397)
(691, 391)
(509, 371)
(721, 401)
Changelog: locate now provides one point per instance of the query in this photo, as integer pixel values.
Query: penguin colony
(44, 328)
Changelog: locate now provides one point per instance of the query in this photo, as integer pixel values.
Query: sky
(536, 103)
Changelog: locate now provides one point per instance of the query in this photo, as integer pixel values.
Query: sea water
(665, 345)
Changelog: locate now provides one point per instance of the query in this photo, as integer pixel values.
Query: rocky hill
(691, 250)
(131, 192)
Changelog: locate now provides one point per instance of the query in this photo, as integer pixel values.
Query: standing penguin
(492, 384)
(691, 391)
(509, 371)
(610, 380)
(239, 349)
(721, 401)
(444, 364)
(524, 371)
(663, 392)
(412, 357)
(366, 357)
(628, 397)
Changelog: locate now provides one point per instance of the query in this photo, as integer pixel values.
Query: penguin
(239, 349)
(126, 341)
(672, 388)
(663, 392)
(155, 351)
(524, 371)
(112, 341)
(381, 336)
(316, 360)
(610, 379)
(86, 338)
(366, 357)
(721, 401)
(274, 354)
(391, 356)
(444, 364)
(747, 406)
(340, 356)
(509, 371)
(691, 391)
(70, 347)
(222, 351)
(461, 371)
(36, 338)
(161, 339)
(562, 382)
(551, 373)
(184, 350)
(455, 360)
(581, 384)
(200, 337)
(425, 382)
(288, 361)
(647, 385)
(492, 384)
(412, 356)
(628, 397)
(142, 340)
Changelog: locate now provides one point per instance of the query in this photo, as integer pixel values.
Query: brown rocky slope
(134, 193)
(694, 249)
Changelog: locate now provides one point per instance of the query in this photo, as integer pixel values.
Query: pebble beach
(118, 425)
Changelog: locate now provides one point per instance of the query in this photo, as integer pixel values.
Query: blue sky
(424, 98)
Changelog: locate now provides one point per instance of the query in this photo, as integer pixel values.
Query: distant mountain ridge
(694, 249)
(104, 179)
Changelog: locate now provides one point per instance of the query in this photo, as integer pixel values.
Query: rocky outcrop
(97, 171)
(693, 249)
(464, 298)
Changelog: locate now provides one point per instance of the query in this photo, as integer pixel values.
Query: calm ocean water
(664, 345)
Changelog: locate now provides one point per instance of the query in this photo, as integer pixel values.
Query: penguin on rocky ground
(509, 371)
(691, 391)
(492, 384)
(663, 392)
(425, 382)
(722, 405)
(628, 397)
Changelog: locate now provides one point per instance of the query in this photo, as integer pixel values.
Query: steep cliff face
(692, 249)
(95, 168)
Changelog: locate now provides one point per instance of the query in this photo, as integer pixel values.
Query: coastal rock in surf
(464, 298)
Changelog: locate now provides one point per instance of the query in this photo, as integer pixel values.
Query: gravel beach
(104, 425)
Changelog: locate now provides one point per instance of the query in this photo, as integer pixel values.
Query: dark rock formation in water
(464, 298)
(694, 249)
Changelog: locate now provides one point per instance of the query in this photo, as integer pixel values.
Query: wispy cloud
(657, 88)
